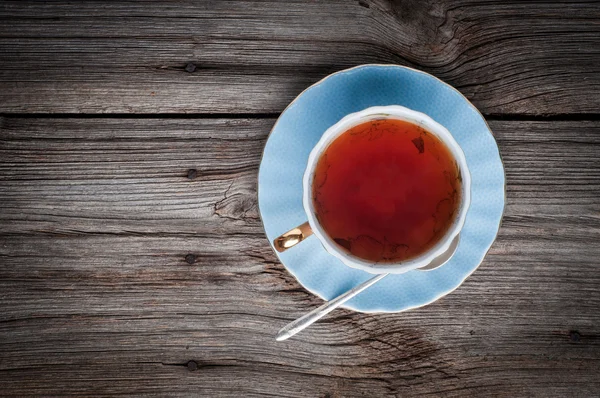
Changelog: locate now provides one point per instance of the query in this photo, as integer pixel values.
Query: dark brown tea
(386, 190)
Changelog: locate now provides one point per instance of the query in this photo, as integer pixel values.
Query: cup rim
(371, 113)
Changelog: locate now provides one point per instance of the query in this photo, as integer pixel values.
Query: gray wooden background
(132, 259)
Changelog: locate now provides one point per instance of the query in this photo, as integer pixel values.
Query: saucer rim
(489, 131)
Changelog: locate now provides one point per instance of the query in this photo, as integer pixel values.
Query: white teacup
(298, 234)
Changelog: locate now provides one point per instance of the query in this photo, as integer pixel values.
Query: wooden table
(132, 257)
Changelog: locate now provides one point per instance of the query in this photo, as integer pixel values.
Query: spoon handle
(306, 320)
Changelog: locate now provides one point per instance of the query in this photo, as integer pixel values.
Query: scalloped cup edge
(372, 113)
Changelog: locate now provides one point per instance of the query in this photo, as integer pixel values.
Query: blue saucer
(320, 106)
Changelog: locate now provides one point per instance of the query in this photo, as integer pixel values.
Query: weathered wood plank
(97, 297)
(121, 310)
(248, 56)
(130, 176)
(75, 176)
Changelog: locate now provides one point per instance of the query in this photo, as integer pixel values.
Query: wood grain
(131, 175)
(255, 56)
(132, 257)
(121, 275)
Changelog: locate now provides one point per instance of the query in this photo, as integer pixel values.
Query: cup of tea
(385, 190)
